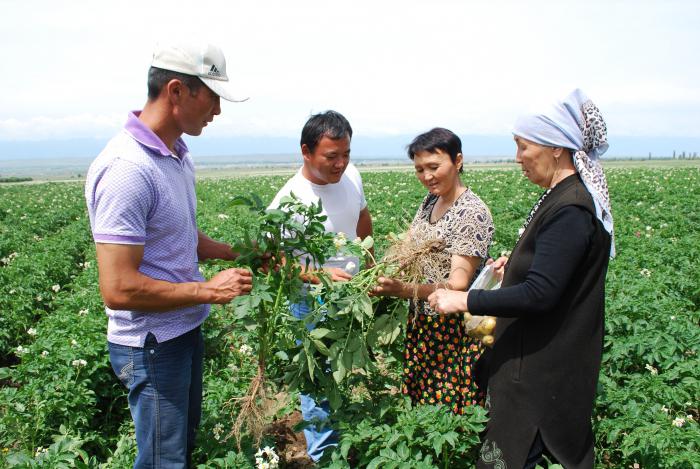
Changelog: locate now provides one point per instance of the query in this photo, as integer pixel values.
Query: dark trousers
(537, 450)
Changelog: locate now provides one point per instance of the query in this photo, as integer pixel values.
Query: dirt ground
(290, 446)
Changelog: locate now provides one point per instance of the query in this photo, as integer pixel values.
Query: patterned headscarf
(576, 123)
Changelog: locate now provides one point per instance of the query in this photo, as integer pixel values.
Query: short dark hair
(329, 124)
(436, 139)
(159, 77)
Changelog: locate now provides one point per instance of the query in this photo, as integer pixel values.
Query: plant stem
(279, 294)
(352, 321)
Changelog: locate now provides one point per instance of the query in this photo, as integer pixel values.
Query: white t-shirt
(342, 203)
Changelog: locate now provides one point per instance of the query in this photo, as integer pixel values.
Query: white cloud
(393, 67)
(77, 126)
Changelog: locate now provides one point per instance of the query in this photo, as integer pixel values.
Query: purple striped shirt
(138, 192)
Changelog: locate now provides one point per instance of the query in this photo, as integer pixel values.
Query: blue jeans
(319, 435)
(165, 396)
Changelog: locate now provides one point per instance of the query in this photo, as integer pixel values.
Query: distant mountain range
(483, 147)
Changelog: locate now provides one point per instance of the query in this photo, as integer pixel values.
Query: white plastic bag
(486, 280)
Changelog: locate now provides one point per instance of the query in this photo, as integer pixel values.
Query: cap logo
(213, 71)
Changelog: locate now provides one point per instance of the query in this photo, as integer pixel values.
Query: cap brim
(221, 88)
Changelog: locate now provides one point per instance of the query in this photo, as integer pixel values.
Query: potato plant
(318, 352)
(646, 411)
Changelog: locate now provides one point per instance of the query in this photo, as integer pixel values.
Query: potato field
(62, 406)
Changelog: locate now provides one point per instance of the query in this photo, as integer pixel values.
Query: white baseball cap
(205, 61)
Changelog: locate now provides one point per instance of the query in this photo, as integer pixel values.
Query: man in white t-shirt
(328, 175)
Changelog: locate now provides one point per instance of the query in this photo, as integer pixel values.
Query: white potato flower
(678, 422)
(266, 458)
(340, 240)
(218, 430)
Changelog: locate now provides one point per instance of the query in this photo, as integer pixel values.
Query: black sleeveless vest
(543, 371)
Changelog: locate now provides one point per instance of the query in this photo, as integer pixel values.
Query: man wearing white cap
(140, 193)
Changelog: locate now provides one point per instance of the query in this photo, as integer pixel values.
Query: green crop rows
(61, 406)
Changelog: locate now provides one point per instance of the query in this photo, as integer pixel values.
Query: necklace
(532, 213)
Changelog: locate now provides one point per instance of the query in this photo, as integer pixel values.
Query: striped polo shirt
(138, 192)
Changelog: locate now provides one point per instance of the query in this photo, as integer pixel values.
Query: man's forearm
(143, 293)
(420, 291)
(364, 226)
(125, 287)
(208, 248)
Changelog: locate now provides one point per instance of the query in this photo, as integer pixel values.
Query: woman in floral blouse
(439, 354)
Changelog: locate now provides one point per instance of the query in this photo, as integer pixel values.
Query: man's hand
(448, 301)
(337, 274)
(499, 266)
(265, 266)
(389, 287)
(228, 284)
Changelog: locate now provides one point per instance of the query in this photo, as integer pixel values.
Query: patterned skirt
(438, 363)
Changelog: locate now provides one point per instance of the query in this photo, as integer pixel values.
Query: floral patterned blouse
(439, 354)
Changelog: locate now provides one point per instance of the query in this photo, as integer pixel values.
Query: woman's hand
(389, 287)
(499, 266)
(448, 301)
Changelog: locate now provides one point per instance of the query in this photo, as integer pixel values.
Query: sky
(73, 69)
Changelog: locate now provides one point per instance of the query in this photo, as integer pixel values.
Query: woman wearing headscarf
(543, 368)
